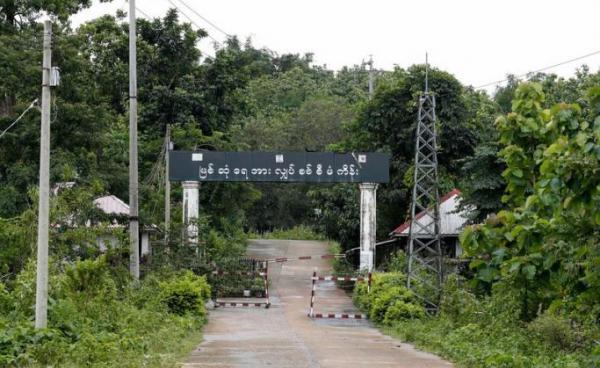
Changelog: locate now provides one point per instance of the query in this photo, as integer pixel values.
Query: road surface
(283, 336)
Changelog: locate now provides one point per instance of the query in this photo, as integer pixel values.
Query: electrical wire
(182, 12)
(19, 118)
(142, 12)
(192, 21)
(206, 20)
(540, 70)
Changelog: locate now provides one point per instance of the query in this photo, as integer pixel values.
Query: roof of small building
(112, 205)
(451, 219)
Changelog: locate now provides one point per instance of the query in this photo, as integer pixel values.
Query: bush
(89, 324)
(458, 303)
(554, 330)
(5, 300)
(185, 294)
(89, 279)
(383, 300)
(398, 262)
(388, 291)
(401, 310)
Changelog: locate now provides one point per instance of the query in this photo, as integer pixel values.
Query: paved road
(283, 336)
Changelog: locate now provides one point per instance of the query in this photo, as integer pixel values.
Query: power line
(19, 118)
(541, 69)
(206, 20)
(192, 21)
(182, 12)
(144, 14)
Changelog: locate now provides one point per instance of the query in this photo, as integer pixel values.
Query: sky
(479, 41)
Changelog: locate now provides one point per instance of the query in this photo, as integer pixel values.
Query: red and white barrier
(242, 273)
(340, 316)
(304, 258)
(335, 278)
(316, 278)
(242, 304)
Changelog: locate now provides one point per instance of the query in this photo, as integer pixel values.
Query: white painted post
(368, 222)
(191, 209)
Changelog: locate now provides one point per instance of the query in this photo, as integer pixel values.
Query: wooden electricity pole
(134, 257)
(41, 288)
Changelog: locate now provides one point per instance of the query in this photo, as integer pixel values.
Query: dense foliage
(530, 181)
(97, 317)
(546, 242)
(486, 333)
(533, 300)
(388, 300)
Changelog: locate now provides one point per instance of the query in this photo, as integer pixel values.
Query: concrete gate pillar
(368, 221)
(191, 209)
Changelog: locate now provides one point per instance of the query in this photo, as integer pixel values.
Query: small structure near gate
(452, 221)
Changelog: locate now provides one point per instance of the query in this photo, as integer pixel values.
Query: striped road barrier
(340, 278)
(242, 304)
(340, 316)
(304, 258)
(241, 273)
(316, 278)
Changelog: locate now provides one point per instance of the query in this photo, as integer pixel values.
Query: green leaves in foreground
(547, 242)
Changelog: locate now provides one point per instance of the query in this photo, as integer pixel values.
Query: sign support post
(191, 210)
(368, 224)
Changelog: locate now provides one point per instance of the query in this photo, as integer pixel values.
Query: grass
(301, 232)
(476, 346)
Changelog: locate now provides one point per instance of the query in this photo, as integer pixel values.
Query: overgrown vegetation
(533, 299)
(486, 332)
(531, 182)
(97, 318)
(388, 300)
(300, 232)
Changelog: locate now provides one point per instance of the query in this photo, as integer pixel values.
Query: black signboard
(314, 167)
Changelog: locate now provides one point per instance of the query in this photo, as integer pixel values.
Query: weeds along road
(283, 336)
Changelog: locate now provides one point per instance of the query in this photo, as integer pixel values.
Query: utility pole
(134, 248)
(167, 186)
(41, 288)
(371, 77)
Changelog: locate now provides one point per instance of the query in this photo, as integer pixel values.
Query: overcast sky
(477, 41)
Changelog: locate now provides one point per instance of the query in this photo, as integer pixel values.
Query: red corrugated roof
(444, 198)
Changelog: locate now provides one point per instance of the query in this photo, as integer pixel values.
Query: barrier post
(312, 294)
(369, 283)
(267, 285)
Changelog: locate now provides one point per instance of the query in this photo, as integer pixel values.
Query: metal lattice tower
(424, 248)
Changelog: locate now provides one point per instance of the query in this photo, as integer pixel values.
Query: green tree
(546, 243)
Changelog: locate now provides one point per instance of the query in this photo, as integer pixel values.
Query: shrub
(401, 310)
(85, 280)
(5, 300)
(554, 330)
(185, 294)
(458, 303)
(398, 262)
(387, 290)
(383, 300)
